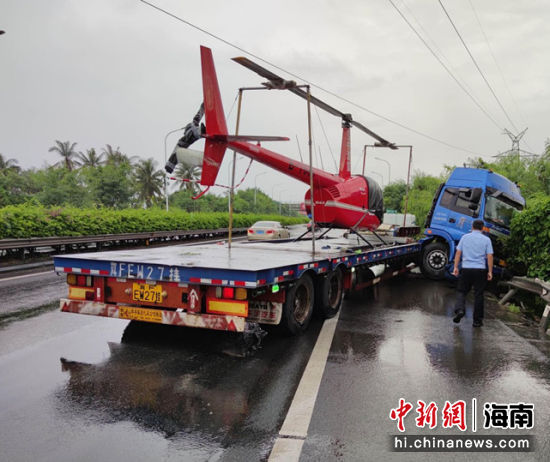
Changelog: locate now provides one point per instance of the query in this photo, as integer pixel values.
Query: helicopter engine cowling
(356, 202)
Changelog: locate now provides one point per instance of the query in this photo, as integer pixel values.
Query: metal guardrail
(34, 242)
(535, 286)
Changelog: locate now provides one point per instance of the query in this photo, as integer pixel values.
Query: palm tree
(115, 156)
(90, 158)
(149, 181)
(66, 150)
(8, 164)
(188, 172)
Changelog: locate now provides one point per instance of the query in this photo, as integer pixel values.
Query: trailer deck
(243, 265)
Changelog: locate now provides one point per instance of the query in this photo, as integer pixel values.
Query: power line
(477, 66)
(412, 130)
(498, 67)
(445, 66)
(435, 46)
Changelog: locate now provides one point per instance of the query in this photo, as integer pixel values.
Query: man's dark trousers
(471, 277)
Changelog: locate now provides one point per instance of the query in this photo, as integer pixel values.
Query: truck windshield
(500, 210)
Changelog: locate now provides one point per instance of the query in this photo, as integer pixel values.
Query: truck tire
(435, 257)
(330, 293)
(298, 307)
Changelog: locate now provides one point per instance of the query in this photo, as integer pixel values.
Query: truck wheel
(435, 258)
(298, 306)
(330, 293)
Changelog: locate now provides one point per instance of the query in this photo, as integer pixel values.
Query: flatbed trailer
(223, 287)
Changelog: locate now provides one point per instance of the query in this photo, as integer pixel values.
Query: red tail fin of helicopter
(216, 128)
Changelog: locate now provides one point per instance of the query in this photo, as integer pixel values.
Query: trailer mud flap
(175, 318)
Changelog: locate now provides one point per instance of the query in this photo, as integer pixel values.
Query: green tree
(421, 195)
(8, 165)
(394, 194)
(188, 172)
(16, 187)
(60, 186)
(114, 156)
(149, 181)
(90, 158)
(109, 185)
(66, 150)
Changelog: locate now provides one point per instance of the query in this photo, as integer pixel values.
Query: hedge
(24, 221)
(529, 244)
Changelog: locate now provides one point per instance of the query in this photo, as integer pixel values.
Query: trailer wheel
(359, 295)
(298, 306)
(330, 293)
(435, 258)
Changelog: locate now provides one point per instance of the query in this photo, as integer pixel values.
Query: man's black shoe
(477, 323)
(459, 316)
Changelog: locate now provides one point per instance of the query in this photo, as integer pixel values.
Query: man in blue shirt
(476, 251)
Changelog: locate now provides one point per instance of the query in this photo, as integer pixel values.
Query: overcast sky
(123, 73)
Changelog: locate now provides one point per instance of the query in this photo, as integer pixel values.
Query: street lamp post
(165, 182)
(381, 177)
(273, 191)
(280, 201)
(395, 146)
(389, 167)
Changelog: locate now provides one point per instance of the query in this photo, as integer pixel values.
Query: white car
(267, 230)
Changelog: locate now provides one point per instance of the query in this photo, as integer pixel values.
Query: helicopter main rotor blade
(278, 82)
(381, 140)
(317, 102)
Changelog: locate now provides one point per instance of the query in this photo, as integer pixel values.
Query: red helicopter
(340, 201)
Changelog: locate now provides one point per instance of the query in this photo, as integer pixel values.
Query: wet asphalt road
(83, 388)
(20, 293)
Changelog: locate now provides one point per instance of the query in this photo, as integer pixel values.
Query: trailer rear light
(228, 292)
(84, 281)
(240, 293)
(79, 280)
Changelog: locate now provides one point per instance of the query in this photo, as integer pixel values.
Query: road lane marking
(25, 276)
(288, 445)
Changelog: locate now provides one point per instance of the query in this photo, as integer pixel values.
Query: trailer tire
(435, 257)
(359, 295)
(330, 293)
(298, 306)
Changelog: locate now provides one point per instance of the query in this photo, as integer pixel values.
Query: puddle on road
(191, 387)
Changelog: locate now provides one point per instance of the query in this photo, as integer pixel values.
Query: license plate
(259, 232)
(140, 314)
(147, 293)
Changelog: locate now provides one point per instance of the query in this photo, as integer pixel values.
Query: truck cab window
(499, 209)
(462, 200)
